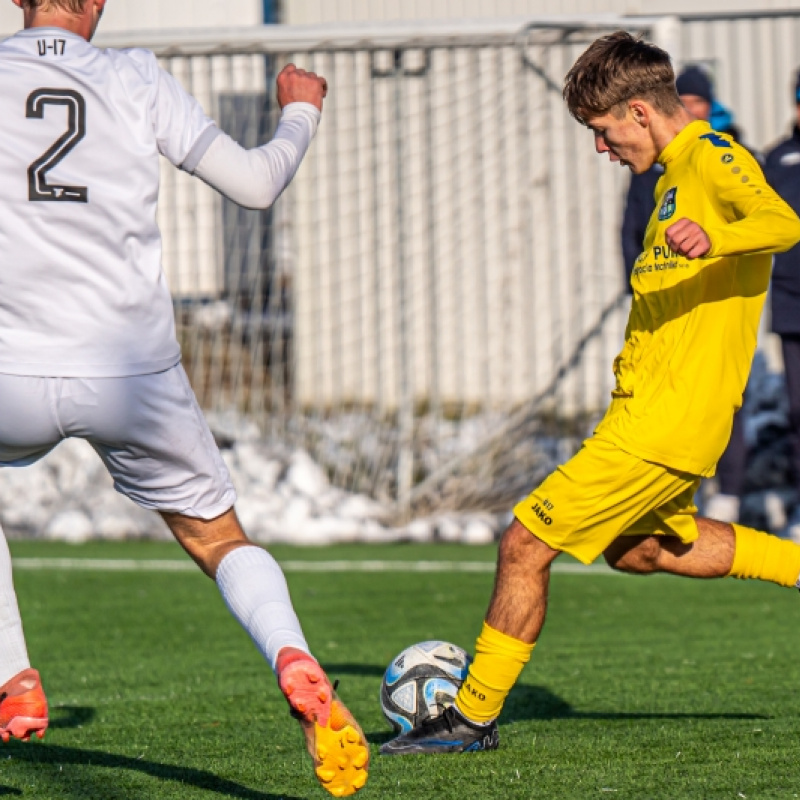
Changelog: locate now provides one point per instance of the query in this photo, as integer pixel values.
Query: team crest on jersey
(668, 206)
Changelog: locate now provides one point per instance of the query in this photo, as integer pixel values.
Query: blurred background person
(783, 172)
(697, 95)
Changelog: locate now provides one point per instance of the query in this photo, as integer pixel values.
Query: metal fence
(441, 286)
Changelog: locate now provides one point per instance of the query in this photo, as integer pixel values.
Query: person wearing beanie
(782, 170)
(694, 89)
(696, 93)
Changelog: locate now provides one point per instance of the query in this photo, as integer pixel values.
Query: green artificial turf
(640, 687)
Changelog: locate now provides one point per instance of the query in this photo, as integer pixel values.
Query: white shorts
(147, 429)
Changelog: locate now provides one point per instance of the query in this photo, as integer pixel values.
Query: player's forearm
(255, 178)
(774, 228)
(760, 221)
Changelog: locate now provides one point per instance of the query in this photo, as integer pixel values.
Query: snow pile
(284, 496)
(69, 496)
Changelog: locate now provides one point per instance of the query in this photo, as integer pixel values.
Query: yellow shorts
(603, 493)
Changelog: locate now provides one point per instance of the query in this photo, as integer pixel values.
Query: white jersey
(82, 290)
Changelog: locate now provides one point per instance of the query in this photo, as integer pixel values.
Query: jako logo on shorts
(542, 514)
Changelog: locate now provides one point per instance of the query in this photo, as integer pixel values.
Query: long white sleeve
(255, 178)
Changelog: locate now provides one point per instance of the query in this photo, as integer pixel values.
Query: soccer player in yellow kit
(698, 289)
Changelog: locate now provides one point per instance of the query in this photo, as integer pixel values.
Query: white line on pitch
(155, 565)
(104, 564)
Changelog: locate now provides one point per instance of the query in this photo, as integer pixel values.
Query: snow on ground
(284, 496)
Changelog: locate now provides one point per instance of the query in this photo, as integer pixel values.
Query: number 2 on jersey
(38, 187)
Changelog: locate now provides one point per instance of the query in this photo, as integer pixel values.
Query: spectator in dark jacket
(695, 90)
(783, 172)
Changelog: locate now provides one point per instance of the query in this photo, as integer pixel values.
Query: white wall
(10, 17)
(315, 11)
(150, 15)
(128, 15)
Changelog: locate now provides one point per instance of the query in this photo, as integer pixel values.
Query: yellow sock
(499, 659)
(759, 555)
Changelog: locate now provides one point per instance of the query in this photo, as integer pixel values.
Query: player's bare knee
(637, 555)
(207, 542)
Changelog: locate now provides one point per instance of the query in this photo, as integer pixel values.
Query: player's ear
(17, 3)
(640, 112)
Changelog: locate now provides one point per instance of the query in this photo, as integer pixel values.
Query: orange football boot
(23, 707)
(334, 739)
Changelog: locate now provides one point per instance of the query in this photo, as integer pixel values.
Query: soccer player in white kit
(87, 335)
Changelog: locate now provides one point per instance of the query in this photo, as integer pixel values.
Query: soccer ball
(421, 682)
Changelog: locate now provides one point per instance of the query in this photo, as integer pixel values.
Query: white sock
(254, 589)
(13, 653)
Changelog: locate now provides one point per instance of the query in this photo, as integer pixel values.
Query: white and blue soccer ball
(421, 682)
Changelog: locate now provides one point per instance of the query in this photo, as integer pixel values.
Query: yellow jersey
(692, 329)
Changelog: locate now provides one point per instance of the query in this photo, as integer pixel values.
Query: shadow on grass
(537, 702)
(360, 670)
(7, 790)
(198, 778)
(70, 716)
(379, 737)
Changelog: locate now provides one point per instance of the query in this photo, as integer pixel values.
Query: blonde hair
(71, 6)
(615, 69)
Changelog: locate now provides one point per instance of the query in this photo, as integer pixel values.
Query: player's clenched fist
(298, 86)
(688, 239)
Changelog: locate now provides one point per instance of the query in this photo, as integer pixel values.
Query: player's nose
(600, 144)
